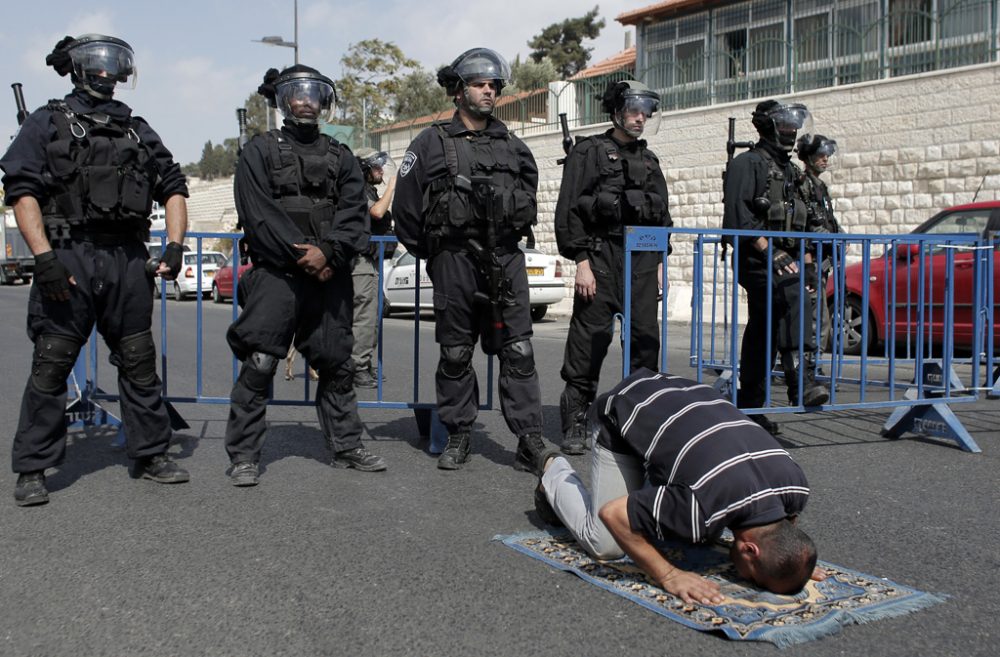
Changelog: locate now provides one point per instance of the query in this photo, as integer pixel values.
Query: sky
(197, 61)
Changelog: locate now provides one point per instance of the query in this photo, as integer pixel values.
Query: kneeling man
(672, 458)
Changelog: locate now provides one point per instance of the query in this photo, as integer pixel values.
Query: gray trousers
(612, 476)
(365, 326)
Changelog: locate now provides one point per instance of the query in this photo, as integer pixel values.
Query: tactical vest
(786, 211)
(625, 194)
(452, 212)
(304, 183)
(817, 199)
(100, 173)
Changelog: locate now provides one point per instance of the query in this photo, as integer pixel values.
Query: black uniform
(295, 186)
(607, 185)
(766, 172)
(96, 224)
(437, 219)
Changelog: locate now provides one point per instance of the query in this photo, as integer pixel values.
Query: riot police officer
(817, 154)
(760, 195)
(82, 175)
(610, 181)
(300, 199)
(363, 271)
(465, 198)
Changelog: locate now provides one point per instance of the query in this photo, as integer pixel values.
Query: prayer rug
(748, 613)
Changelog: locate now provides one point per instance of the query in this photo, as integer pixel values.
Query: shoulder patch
(409, 159)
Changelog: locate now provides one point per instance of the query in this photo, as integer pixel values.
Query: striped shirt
(708, 466)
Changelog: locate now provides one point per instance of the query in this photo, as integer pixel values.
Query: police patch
(409, 159)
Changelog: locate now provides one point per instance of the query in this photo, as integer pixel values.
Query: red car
(222, 284)
(902, 264)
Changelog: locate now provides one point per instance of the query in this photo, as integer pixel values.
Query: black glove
(173, 258)
(780, 260)
(51, 277)
(336, 258)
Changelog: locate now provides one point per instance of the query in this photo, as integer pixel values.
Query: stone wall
(908, 148)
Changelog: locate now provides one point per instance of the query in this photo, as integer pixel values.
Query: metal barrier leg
(934, 419)
(83, 411)
(724, 384)
(430, 428)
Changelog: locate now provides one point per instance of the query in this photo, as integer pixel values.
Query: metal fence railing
(211, 352)
(913, 322)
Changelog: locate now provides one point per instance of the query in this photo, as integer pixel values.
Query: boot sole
(346, 465)
(573, 451)
(451, 464)
(174, 479)
(34, 500)
(817, 399)
(243, 482)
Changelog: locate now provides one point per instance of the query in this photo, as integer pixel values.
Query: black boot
(575, 440)
(768, 426)
(456, 453)
(161, 469)
(30, 489)
(358, 458)
(532, 453)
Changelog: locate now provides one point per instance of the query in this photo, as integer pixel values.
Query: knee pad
(258, 370)
(517, 359)
(340, 379)
(136, 358)
(456, 360)
(52, 362)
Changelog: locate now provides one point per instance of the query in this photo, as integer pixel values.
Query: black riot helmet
(626, 97)
(779, 123)
(301, 93)
(474, 65)
(97, 63)
(817, 152)
(370, 159)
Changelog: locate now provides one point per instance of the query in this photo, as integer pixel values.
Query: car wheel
(216, 295)
(853, 318)
(178, 295)
(386, 308)
(538, 312)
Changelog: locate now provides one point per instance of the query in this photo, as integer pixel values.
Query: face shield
(788, 121)
(305, 99)
(482, 64)
(824, 159)
(638, 115)
(378, 166)
(101, 66)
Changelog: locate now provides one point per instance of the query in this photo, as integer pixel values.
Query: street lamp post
(278, 41)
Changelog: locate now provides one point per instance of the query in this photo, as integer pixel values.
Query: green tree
(562, 43)
(419, 94)
(373, 70)
(257, 109)
(529, 75)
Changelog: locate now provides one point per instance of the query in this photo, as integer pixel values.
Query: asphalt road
(318, 561)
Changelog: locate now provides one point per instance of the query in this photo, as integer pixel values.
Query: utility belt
(457, 245)
(61, 231)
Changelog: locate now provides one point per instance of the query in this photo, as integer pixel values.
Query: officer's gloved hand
(335, 255)
(782, 263)
(173, 258)
(52, 277)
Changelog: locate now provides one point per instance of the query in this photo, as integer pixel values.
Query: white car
(186, 283)
(545, 283)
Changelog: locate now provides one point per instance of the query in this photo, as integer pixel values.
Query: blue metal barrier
(85, 409)
(916, 283)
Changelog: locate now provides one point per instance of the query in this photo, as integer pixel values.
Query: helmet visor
(789, 120)
(104, 63)
(482, 64)
(305, 100)
(639, 115)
